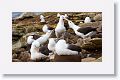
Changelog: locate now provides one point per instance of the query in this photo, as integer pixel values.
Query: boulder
(98, 17)
(91, 24)
(70, 38)
(98, 60)
(89, 59)
(23, 40)
(26, 14)
(24, 56)
(16, 60)
(93, 44)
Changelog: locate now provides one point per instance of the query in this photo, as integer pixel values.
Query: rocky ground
(29, 24)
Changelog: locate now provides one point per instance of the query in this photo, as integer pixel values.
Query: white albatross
(30, 40)
(87, 20)
(41, 40)
(35, 53)
(83, 32)
(60, 28)
(47, 28)
(51, 44)
(62, 48)
(42, 18)
(58, 14)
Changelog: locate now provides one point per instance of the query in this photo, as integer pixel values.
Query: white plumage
(82, 32)
(51, 44)
(35, 54)
(45, 28)
(66, 16)
(87, 20)
(42, 18)
(30, 40)
(60, 28)
(34, 50)
(61, 48)
(75, 28)
(43, 38)
(58, 14)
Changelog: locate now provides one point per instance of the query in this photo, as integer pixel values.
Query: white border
(104, 67)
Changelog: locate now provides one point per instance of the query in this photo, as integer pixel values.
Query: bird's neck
(75, 28)
(34, 50)
(61, 21)
(42, 20)
(47, 35)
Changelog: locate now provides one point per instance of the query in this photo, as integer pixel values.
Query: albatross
(60, 28)
(87, 20)
(83, 32)
(62, 48)
(47, 28)
(41, 40)
(35, 52)
(67, 52)
(51, 44)
(42, 18)
(30, 40)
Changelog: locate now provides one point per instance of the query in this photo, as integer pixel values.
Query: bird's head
(58, 15)
(30, 39)
(70, 23)
(41, 16)
(62, 17)
(66, 16)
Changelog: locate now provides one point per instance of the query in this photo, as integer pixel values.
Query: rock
(98, 17)
(16, 60)
(98, 35)
(14, 56)
(70, 38)
(80, 42)
(19, 31)
(29, 24)
(67, 58)
(93, 44)
(23, 40)
(89, 59)
(95, 54)
(24, 56)
(45, 59)
(98, 60)
(97, 41)
(52, 57)
(26, 14)
(99, 29)
(92, 24)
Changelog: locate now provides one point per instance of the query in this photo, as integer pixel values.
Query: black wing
(50, 28)
(36, 36)
(86, 30)
(44, 50)
(74, 48)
